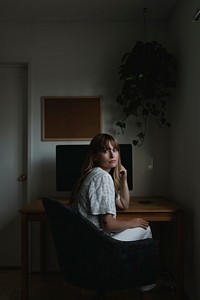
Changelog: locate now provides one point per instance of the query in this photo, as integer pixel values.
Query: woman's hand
(123, 173)
(138, 222)
(110, 224)
(124, 196)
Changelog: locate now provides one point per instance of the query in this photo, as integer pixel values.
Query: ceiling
(85, 10)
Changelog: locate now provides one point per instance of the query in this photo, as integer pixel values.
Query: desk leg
(180, 256)
(24, 257)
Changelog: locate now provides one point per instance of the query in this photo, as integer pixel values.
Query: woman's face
(107, 158)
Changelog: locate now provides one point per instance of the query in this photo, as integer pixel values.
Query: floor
(53, 287)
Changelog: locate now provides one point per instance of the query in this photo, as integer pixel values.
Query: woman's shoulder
(98, 180)
(97, 174)
(99, 171)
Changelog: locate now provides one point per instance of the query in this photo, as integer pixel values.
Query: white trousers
(133, 234)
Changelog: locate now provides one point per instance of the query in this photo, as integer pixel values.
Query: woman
(102, 187)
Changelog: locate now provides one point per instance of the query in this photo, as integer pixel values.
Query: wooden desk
(149, 208)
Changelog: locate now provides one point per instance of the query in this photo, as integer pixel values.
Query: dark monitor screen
(69, 160)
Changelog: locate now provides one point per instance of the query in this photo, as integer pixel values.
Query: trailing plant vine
(147, 73)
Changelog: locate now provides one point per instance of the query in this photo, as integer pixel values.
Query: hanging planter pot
(147, 73)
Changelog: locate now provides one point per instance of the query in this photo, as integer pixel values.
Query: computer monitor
(70, 158)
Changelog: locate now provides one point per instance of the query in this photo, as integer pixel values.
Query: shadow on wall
(189, 248)
(45, 185)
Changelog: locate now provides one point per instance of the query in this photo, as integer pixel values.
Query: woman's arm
(110, 224)
(124, 196)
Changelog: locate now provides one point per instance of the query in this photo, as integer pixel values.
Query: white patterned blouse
(97, 196)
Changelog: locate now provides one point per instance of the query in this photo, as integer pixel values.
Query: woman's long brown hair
(97, 144)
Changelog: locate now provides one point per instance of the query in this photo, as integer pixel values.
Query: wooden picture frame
(70, 118)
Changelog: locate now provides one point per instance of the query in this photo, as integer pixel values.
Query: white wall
(82, 59)
(185, 138)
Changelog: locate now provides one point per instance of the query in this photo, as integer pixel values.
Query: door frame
(24, 61)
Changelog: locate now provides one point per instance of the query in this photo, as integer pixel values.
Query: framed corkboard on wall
(70, 118)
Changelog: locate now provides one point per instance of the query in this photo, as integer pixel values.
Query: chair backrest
(91, 259)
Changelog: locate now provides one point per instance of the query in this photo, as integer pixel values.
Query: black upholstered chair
(90, 259)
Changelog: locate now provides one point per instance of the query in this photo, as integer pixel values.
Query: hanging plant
(147, 74)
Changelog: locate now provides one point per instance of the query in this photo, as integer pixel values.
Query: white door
(13, 141)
